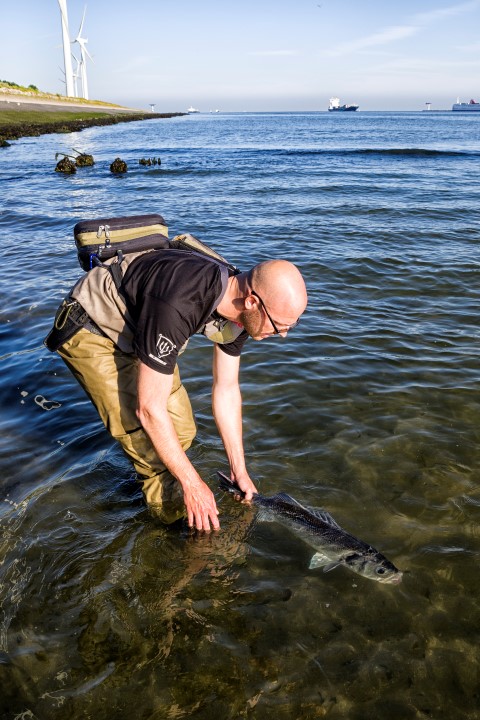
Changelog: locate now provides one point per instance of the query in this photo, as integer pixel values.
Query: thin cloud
(273, 53)
(428, 17)
(384, 37)
(399, 32)
(474, 48)
(422, 66)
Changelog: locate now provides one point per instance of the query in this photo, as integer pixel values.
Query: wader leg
(109, 377)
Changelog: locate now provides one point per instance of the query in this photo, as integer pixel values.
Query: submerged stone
(84, 160)
(65, 165)
(118, 166)
(150, 161)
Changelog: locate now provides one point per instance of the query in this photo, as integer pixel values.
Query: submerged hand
(245, 484)
(201, 507)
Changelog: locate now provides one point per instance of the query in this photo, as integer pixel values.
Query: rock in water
(118, 166)
(65, 165)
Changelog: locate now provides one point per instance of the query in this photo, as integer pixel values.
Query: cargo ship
(471, 106)
(336, 107)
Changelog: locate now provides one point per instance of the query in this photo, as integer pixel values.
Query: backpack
(104, 238)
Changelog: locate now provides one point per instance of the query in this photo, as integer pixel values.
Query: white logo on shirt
(164, 348)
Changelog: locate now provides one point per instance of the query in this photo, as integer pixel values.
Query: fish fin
(325, 517)
(265, 516)
(286, 498)
(322, 515)
(321, 560)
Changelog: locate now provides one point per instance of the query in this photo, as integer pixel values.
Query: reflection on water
(370, 409)
(231, 624)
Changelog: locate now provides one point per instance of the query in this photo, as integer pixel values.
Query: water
(370, 409)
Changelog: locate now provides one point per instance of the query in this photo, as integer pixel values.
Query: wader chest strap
(69, 319)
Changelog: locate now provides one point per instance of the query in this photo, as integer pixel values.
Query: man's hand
(200, 504)
(245, 483)
(227, 410)
(153, 392)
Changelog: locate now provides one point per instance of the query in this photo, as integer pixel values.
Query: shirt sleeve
(234, 348)
(160, 334)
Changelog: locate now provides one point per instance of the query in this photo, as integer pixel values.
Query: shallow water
(370, 409)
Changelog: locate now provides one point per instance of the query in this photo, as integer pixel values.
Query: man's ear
(250, 302)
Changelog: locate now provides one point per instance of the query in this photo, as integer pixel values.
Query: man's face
(253, 322)
(258, 325)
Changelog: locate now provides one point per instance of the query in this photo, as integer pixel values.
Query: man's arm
(153, 393)
(227, 411)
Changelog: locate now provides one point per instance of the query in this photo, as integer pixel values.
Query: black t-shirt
(171, 295)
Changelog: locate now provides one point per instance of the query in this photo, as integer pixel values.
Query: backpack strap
(116, 270)
(113, 268)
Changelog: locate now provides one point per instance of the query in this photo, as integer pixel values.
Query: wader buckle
(70, 318)
(63, 313)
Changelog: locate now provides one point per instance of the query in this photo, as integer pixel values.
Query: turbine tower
(66, 49)
(76, 75)
(83, 57)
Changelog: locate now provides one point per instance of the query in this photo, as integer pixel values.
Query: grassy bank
(27, 123)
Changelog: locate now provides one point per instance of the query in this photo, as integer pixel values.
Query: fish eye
(380, 571)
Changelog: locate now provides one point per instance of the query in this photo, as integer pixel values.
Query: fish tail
(229, 485)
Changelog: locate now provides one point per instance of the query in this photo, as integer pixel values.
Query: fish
(334, 546)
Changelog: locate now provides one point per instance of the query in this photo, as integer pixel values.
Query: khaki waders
(109, 377)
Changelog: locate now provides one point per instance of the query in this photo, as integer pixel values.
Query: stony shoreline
(24, 115)
(33, 128)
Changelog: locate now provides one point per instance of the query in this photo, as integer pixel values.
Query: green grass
(15, 86)
(16, 122)
(14, 90)
(17, 118)
(32, 123)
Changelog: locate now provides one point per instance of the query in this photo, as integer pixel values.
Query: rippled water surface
(369, 409)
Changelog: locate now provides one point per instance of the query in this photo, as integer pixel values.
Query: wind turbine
(66, 49)
(76, 75)
(83, 57)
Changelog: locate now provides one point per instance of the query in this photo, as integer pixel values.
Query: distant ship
(192, 110)
(336, 107)
(472, 106)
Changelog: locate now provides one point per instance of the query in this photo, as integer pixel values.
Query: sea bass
(334, 546)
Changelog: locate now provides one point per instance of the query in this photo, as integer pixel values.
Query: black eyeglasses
(276, 331)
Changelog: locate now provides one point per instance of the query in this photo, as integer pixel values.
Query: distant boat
(472, 106)
(192, 110)
(336, 107)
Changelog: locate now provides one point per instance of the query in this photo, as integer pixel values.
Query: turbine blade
(63, 10)
(83, 20)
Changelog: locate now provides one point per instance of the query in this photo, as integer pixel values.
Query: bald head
(282, 288)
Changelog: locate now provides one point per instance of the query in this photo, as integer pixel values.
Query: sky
(253, 55)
